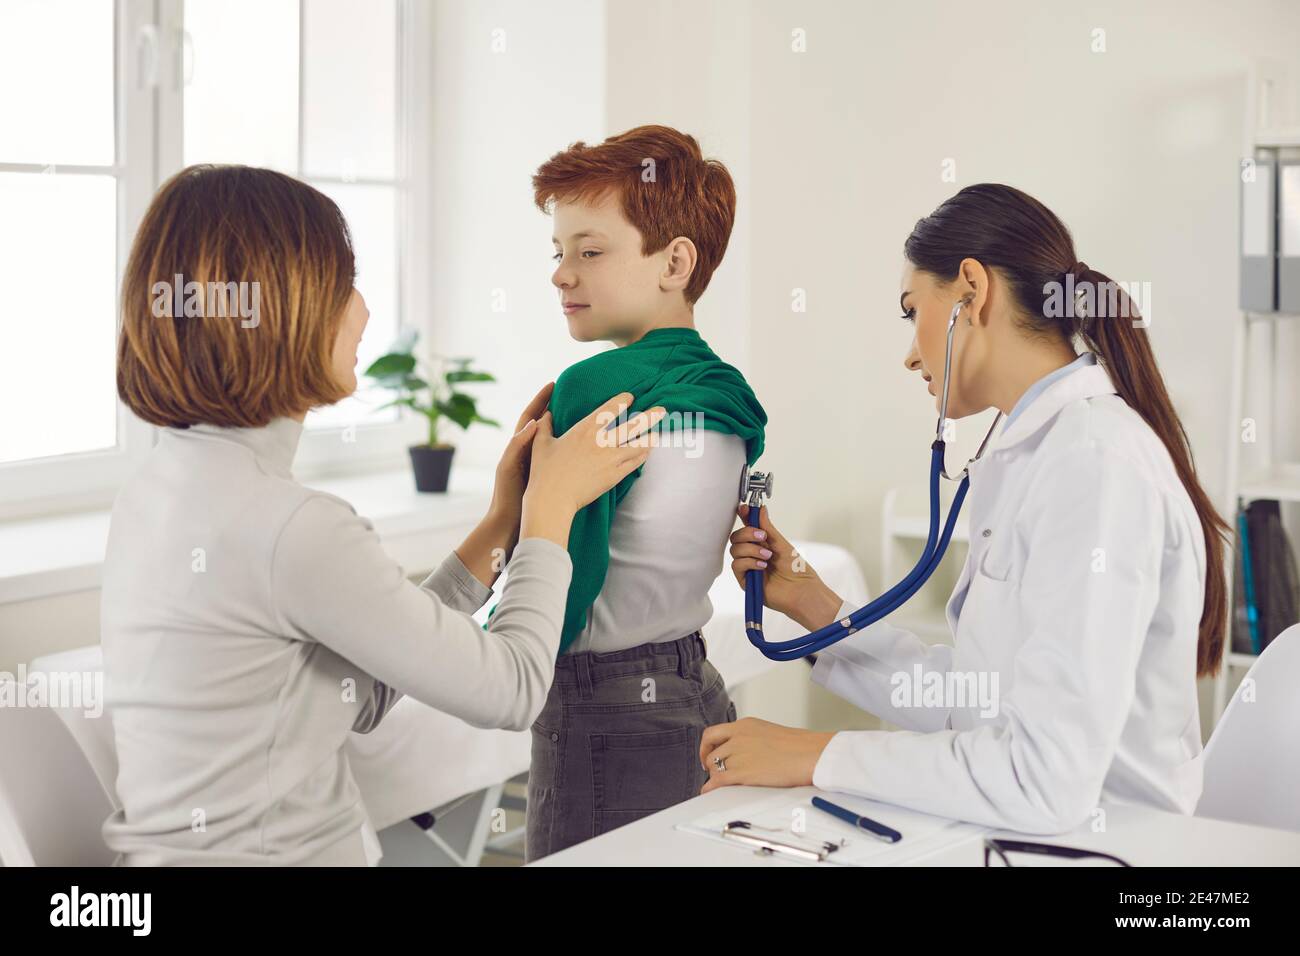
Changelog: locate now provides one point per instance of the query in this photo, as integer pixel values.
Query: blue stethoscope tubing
(757, 485)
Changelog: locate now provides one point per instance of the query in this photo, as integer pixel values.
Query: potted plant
(429, 387)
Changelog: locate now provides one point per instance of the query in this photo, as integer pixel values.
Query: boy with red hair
(641, 221)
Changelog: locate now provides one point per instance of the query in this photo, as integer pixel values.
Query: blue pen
(888, 834)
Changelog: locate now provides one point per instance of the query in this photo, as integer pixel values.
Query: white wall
(678, 63)
(498, 114)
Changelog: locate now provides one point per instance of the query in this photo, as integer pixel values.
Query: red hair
(666, 186)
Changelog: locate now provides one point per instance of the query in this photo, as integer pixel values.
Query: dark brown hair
(234, 224)
(1008, 230)
(689, 195)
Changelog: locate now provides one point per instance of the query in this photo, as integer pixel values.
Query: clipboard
(793, 821)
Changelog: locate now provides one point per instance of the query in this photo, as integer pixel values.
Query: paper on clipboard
(802, 823)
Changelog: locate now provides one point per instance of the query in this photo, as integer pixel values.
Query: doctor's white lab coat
(1075, 622)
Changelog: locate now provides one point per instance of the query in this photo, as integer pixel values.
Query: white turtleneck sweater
(249, 624)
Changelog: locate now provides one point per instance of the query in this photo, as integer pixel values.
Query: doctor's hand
(790, 585)
(757, 753)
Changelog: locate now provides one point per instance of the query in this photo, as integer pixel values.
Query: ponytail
(1121, 343)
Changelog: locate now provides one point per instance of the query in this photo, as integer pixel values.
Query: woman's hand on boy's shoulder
(512, 470)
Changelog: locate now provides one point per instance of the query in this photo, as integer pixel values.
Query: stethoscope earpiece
(943, 401)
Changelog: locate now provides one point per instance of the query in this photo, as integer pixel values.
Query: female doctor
(1092, 597)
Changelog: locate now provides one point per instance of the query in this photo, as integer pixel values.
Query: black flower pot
(432, 466)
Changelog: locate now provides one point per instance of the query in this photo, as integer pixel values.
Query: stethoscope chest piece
(755, 486)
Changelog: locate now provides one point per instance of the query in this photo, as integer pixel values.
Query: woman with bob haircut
(249, 624)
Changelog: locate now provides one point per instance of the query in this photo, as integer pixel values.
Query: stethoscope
(755, 486)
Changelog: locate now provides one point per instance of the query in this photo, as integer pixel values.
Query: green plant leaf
(463, 375)
(429, 390)
(459, 408)
(391, 365)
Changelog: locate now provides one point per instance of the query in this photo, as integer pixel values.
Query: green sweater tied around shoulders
(669, 367)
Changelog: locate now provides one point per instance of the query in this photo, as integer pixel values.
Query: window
(115, 97)
(75, 174)
(310, 89)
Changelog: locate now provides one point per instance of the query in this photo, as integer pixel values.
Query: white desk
(1140, 836)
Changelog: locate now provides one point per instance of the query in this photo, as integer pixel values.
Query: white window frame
(88, 479)
(149, 127)
(384, 445)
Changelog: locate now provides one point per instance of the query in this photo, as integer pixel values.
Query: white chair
(51, 802)
(1252, 761)
(93, 734)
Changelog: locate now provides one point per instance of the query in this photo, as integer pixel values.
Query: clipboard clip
(742, 832)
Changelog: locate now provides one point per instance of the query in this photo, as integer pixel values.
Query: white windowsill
(41, 557)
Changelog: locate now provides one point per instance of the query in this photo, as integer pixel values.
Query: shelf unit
(1278, 480)
(1270, 93)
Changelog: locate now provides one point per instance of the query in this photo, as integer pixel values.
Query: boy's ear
(680, 263)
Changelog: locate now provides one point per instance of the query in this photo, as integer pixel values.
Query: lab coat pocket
(989, 618)
(994, 565)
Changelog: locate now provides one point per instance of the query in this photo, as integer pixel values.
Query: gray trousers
(619, 739)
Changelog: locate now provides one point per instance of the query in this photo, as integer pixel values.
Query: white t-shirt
(667, 543)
